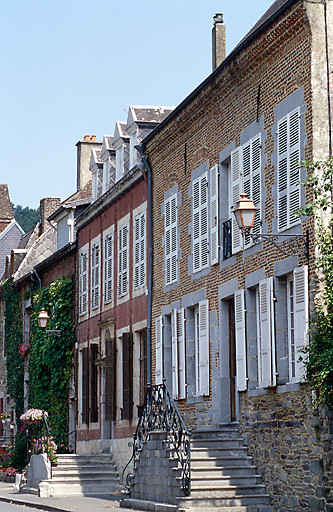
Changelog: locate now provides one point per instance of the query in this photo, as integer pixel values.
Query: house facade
(229, 316)
(112, 291)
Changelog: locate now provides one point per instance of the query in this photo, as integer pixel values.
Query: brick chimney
(218, 41)
(84, 148)
(47, 206)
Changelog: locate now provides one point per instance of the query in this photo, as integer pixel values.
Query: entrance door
(232, 359)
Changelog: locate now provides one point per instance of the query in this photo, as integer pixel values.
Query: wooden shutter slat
(301, 316)
(159, 350)
(240, 340)
(236, 162)
(174, 353)
(204, 347)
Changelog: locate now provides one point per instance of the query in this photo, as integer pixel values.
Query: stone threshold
(150, 506)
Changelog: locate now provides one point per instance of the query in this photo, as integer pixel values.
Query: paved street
(10, 501)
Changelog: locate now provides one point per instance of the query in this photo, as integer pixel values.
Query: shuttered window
(83, 287)
(240, 340)
(178, 353)
(288, 158)
(202, 348)
(95, 271)
(214, 215)
(139, 250)
(123, 261)
(245, 176)
(266, 349)
(108, 269)
(200, 223)
(297, 296)
(127, 411)
(159, 350)
(252, 179)
(171, 240)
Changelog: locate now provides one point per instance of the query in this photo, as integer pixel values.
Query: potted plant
(46, 445)
(10, 474)
(33, 416)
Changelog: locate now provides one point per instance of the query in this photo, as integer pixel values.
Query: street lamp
(43, 319)
(292, 245)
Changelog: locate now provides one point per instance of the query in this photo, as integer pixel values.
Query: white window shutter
(181, 354)
(196, 226)
(267, 332)
(142, 249)
(108, 268)
(214, 214)
(95, 270)
(159, 350)
(288, 146)
(301, 301)
(122, 261)
(236, 162)
(83, 283)
(240, 340)
(204, 347)
(200, 223)
(174, 353)
(171, 240)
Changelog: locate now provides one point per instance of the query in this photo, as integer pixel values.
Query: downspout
(38, 278)
(150, 256)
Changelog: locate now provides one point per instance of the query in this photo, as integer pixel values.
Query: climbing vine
(319, 360)
(50, 362)
(14, 335)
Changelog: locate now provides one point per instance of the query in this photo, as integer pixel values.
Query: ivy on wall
(319, 360)
(14, 335)
(50, 362)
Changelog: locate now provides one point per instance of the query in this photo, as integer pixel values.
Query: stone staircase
(93, 474)
(223, 477)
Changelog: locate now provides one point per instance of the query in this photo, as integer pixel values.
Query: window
(89, 384)
(108, 268)
(83, 285)
(201, 318)
(200, 223)
(139, 250)
(123, 261)
(288, 158)
(127, 360)
(297, 313)
(245, 176)
(106, 175)
(178, 354)
(95, 270)
(171, 240)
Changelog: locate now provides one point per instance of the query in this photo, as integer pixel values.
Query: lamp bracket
(53, 332)
(291, 245)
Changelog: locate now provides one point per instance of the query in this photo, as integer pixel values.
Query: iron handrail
(159, 412)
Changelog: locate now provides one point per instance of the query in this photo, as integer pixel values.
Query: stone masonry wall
(281, 431)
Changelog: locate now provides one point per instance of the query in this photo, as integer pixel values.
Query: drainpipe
(145, 161)
(34, 272)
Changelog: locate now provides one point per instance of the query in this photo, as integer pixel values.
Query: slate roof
(150, 114)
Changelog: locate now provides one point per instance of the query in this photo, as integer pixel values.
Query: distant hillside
(26, 217)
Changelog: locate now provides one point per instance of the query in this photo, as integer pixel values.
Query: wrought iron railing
(159, 412)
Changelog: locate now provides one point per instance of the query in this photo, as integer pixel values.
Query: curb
(33, 504)
(150, 506)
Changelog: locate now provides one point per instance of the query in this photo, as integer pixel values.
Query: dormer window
(132, 150)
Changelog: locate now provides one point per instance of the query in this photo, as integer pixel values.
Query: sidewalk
(103, 503)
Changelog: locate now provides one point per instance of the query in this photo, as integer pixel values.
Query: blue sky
(73, 67)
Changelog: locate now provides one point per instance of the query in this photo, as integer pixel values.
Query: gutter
(232, 56)
(144, 158)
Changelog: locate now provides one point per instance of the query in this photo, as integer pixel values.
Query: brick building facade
(230, 316)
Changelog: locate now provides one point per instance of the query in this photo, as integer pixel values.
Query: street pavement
(104, 503)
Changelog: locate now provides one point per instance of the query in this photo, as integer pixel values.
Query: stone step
(88, 478)
(212, 502)
(213, 462)
(66, 472)
(217, 443)
(214, 480)
(230, 471)
(219, 452)
(225, 491)
(235, 508)
(71, 488)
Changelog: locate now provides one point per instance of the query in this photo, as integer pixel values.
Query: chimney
(218, 40)
(47, 206)
(84, 148)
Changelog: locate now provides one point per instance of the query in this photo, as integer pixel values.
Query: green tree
(26, 217)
